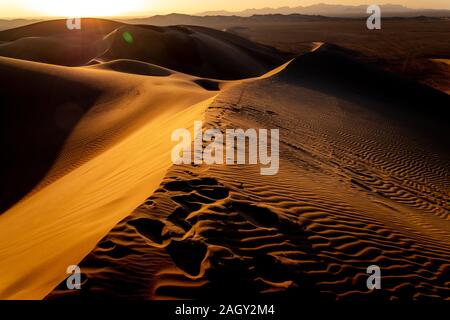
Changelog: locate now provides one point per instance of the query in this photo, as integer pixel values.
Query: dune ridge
(363, 180)
(194, 50)
(102, 164)
(359, 184)
(98, 133)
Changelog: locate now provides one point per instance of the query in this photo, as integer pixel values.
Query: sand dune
(92, 27)
(359, 184)
(51, 41)
(194, 50)
(89, 170)
(134, 67)
(363, 180)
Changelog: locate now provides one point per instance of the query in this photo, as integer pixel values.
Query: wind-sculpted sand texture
(363, 180)
(70, 177)
(84, 145)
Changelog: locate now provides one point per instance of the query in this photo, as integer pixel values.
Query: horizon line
(149, 14)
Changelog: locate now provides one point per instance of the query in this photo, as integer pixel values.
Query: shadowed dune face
(83, 147)
(36, 119)
(404, 46)
(194, 50)
(334, 71)
(65, 115)
(358, 185)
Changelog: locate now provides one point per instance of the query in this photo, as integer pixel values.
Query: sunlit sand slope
(84, 148)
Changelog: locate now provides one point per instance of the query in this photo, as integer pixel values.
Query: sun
(86, 8)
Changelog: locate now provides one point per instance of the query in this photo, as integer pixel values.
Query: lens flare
(128, 37)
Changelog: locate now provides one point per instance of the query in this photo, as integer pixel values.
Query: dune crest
(193, 50)
(134, 67)
(87, 120)
(352, 191)
(100, 171)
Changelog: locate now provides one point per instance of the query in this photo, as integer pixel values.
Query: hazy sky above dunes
(42, 8)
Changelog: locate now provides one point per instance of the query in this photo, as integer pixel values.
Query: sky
(62, 8)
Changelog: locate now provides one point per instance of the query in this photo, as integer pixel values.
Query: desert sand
(100, 169)
(363, 180)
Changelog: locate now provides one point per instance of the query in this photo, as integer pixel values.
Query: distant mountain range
(282, 14)
(9, 24)
(222, 21)
(215, 21)
(334, 10)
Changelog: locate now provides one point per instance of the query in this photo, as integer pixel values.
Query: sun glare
(86, 8)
